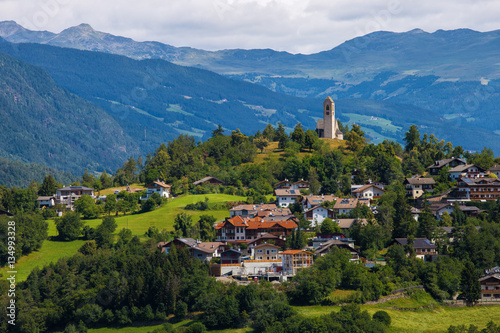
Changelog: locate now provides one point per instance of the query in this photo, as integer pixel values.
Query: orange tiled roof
(295, 252)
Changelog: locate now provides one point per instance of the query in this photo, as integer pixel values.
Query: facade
(466, 171)
(418, 185)
(423, 248)
(495, 170)
(327, 246)
(317, 214)
(69, 194)
(46, 201)
(369, 191)
(479, 189)
(295, 260)
(285, 198)
(346, 224)
(230, 257)
(436, 168)
(197, 249)
(265, 252)
(328, 126)
(157, 187)
(241, 229)
(490, 284)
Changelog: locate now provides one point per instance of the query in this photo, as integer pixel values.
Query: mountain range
(445, 82)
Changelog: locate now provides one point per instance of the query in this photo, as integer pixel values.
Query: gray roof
(441, 163)
(464, 167)
(73, 188)
(420, 181)
(418, 243)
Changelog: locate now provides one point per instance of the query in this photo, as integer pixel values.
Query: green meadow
(162, 218)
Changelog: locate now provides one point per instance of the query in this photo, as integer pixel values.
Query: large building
(246, 229)
(328, 126)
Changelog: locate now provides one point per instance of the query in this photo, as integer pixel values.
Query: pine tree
(470, 286)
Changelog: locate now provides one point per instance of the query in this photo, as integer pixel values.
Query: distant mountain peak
(82, 28)
(416, 31)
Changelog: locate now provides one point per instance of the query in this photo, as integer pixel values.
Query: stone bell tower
(328, 127)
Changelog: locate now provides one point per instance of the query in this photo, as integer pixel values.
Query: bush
(382, 317)
(180, 311)
(196, 327)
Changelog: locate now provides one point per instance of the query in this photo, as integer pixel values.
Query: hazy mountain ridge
(45, 124)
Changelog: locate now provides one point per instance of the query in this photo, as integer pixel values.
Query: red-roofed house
(240, 229)
(158, 187)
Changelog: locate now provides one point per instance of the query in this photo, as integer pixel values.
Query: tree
(269, 132)
(298, 135)
(470, 286)
(310, 139)
(86, 206)
(237, 138)
(182, 223)
(206, 228)
(69, 226)
(218, 131)
(282, 136)
(404, 224)
(328, 226)
(426, 223)
(355, 138)
(261, 143)
(412, 138)
(458, 216)
(315, 185)
(49, 186)
(110, 205)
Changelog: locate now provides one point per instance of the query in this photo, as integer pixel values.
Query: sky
(296, 26)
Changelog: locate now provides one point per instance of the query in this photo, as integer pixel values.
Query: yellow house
(265, 251)
(295, 260)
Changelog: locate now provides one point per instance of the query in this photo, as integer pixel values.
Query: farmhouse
(416, 186)
(368, 191)
(285, 198)
(157, 187)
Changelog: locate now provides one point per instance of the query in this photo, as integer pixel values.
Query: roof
(209, 247)
(334, 242)
(286, 192)
(367, 186)
(286, 181)
(349, 203)
(45, 198)
(464, 167)
(266, 244)
(318, 206)
(256, 223)
(495, 168)
(348, 223)
(490, 276)
(315, 200)
(420, 181)
(295, 252)
(4, 212)
(420, 243)
(255, 207)
(206, 179)
(161, 184)
(74, 188)
(441, 163)
(479, 181)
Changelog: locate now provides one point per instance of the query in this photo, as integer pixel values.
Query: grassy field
(133, 187)
(435, 319)
(162, 218)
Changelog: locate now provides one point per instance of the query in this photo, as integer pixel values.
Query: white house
(69, 194)
(310, 201)
(285, 198)
(265, 251)
(158, 187)
(46, 201)
(317, 214)
(467, 170)
(368, 191)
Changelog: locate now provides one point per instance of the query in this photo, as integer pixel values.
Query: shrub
(382, 317)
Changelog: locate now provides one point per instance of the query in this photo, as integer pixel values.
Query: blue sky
(297, 26)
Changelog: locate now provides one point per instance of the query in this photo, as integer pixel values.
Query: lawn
(162, 218)
(437, 319)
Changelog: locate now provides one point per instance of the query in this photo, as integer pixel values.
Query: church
(328, 126)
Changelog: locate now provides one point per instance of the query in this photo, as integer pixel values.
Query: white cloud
(293, 25)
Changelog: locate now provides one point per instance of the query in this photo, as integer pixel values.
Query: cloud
(304, 26)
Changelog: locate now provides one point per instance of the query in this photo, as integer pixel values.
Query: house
(197, 249)
(490, 284)
(368, 191)
(345, 205)
(69, 194)
(466, 171)
(323, 238)
(318, 213)
(295, 260)
(310, 201)
(495, 170)
(284, 198)
(157, 187)
(416, 186)
(46, 201)
(327, 246)
(230, 257)
(436, 168)
(478, 189)
(265, 251)
(439, 208)
(245, 229)
(288, 185)
(423, 247)
(268, 238)
(209, 180)
(346, 224)
(328, 127)
(261, 210)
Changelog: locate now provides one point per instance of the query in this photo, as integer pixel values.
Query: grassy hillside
(162, 218)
